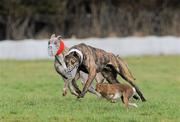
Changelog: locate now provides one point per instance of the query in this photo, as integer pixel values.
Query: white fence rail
(129, 46)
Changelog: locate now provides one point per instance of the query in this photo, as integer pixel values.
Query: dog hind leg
(126, 74)
(132, 84)
(137, 90)
(110, 75)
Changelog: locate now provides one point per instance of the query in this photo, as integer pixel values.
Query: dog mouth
(71, 71)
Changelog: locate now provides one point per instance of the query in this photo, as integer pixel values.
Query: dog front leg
(125, 100)
(91, 76)
(76, 86)
(72, 88)
(65, 87)
(91, 89)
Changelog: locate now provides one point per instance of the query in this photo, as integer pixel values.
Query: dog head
(71, 59)
(102, 87)
(53, 45)
(99, 87)
(72, 63)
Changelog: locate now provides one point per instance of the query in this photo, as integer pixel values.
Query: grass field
(31, 91)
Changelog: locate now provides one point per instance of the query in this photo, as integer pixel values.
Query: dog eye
(73, 61)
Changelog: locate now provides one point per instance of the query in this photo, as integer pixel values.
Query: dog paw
(99, 96)
(64, 93)
(113, 101)
(80, 95)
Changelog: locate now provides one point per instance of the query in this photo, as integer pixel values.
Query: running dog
(92, 60)
(57, 49)
(112, 92)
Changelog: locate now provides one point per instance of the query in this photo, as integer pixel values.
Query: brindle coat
(58, 64)
(97, 60)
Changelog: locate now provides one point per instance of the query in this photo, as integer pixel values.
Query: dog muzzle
(52, 50)
(71, 72)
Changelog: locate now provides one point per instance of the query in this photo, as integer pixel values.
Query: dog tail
(124, 69)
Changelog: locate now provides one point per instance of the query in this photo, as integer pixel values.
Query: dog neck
(60, 57)
(78, 52)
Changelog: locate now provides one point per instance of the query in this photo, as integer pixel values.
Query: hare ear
(53, 36)
(59, 37)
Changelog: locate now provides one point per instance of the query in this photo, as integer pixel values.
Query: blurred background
(21, 19)
(97, 19)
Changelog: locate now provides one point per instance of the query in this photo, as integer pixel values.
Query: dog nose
(50, 47)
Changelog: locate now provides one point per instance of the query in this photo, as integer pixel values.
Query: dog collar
(77, 51)
(61, 47)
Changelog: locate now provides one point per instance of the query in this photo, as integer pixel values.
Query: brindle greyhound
(57, 49)
(93, 60)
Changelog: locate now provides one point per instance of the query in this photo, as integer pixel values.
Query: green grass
(31, 91)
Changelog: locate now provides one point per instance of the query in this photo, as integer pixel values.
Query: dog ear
(65, 57)
(75, 54)
(99, 85)
(53, 36)
(59, 37)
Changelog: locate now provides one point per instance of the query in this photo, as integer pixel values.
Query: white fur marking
(77, 51)
(117, 95)
(111, 96)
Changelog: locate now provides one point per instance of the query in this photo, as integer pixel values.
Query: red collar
(61, 47)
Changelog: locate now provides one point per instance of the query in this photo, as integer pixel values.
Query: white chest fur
(117, 95)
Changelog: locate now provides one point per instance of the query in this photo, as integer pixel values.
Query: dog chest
(117, 95)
